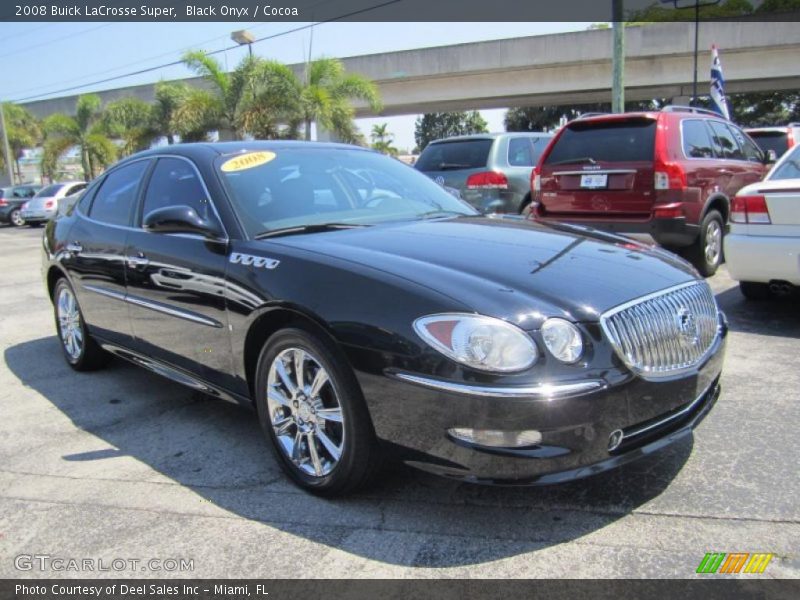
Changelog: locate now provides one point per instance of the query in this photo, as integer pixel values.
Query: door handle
(140, 260)
(74, 247)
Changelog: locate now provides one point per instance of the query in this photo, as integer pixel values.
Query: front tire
(313, 413)
(706, 253)
(80, 349)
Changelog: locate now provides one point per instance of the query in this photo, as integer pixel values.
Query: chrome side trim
(630, 433)
(105, 292)
(167, 310)
(557, 390)
(174, 312)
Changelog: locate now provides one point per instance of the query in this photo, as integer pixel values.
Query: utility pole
(618, 60)
(6, 148)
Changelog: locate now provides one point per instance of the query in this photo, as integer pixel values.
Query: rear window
(771, 140)
(50, 190)
(614, 141)
(447, 156)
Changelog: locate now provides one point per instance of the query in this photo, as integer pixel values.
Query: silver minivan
(492, 171)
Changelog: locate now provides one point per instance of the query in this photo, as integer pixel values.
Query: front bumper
(762, 259)
(414, 417)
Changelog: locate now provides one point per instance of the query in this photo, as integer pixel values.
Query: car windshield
(306, 187)
(50, 190)
(789, 168)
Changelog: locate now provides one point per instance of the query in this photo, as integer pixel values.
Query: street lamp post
(697, 4)
(244, 38)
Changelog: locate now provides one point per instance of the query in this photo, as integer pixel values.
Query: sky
(38, 58)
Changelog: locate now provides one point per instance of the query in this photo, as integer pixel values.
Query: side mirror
(181, 219)
(770, 156)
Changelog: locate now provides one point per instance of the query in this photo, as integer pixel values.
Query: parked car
(11, 200)
(491, 171)
(44, 205)
(669, 173)
(763, 246)
(400, 322)
(776, 139)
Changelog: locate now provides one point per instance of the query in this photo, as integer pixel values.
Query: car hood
(518, 270)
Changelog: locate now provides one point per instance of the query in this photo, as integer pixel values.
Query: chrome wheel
(16, 219)
(713, 242)
(305, 412)
(69, 323)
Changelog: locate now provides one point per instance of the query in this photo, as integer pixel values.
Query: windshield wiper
(568, 161)
(300, 229)
(452, 166)
(435, 214)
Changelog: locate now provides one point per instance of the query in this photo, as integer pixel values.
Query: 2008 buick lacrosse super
(364, 311)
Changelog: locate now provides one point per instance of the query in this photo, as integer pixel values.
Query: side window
(75, 189)
(696, 141)
(175, 182)
(748, 146)
(725, 144)
(519, 152)
(115, 198)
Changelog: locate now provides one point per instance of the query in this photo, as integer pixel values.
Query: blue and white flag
(718, 100)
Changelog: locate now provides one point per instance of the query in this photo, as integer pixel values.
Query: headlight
(479, 342)
(563, 340)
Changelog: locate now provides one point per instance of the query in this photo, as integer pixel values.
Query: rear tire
(80, 350)
(754, 290)
(15, 218)
(706, 253)
(312, 411)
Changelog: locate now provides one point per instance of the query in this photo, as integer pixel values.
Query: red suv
(669, 173)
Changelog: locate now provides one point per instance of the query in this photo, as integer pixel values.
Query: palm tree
(327, 95)
(168, 97)
(131, 120)
(268, 107)
(85, 130)
(23, 132)
(214, 108)
(382, 140)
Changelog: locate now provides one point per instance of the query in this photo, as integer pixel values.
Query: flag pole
(696, 46)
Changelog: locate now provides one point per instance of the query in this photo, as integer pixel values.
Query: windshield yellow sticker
(247, 161)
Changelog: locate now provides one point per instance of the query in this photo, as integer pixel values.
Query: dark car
(491, 171)
(777, 139)
(365, 319)
(670, 174)
(11, 200)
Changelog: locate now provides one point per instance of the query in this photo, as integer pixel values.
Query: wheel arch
(271, 321)
(718, 202)
(54, 273)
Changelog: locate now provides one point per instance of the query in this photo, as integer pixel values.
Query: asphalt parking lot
(124, 464)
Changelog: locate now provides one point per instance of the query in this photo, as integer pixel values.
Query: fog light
(497, 439)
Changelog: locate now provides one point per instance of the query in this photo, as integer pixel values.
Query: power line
(126, 65)
(221, 50)
(29, 31)
(53, 41)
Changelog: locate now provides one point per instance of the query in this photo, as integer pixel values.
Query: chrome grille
(664, 333)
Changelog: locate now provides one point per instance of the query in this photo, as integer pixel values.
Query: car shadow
(216, 450)
(774, 316)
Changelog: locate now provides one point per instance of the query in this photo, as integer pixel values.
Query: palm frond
(210, 69)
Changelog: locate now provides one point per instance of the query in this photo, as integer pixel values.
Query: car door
(733, 170)
(96, 251)
(755, 168)
(176, 281)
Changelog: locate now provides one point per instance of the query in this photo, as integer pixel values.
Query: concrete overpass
(567, 68)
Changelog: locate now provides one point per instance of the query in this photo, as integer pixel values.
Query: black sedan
(364, 312)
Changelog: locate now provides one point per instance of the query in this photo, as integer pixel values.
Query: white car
(762, 249)
(44, 205)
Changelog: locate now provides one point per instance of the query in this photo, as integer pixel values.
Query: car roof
(491, 136)
(210, 150)
(771, 129)
(647, 114)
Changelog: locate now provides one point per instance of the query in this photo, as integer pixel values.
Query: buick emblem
(440, 180)
(687, 326)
